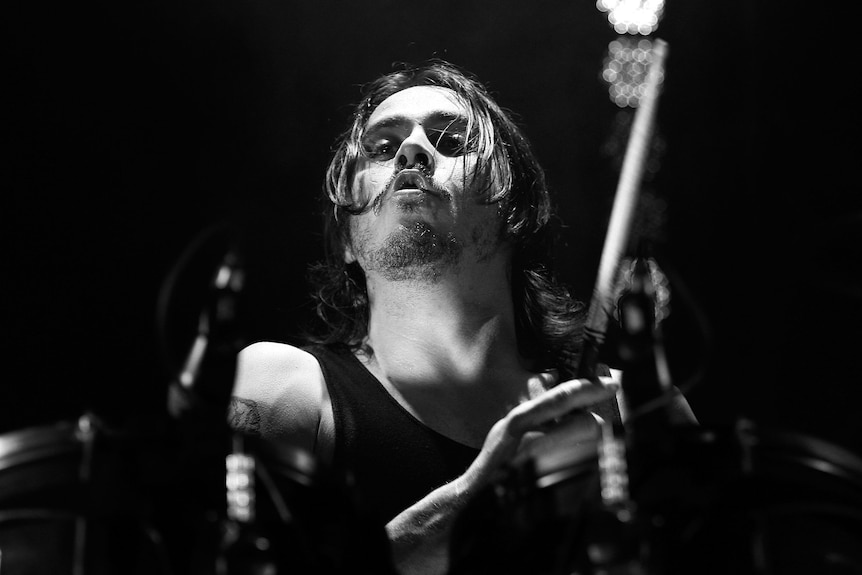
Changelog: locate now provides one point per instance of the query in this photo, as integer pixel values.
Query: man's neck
(459, 327)
(447, 351)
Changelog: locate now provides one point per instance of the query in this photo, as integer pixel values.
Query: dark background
(134, 127)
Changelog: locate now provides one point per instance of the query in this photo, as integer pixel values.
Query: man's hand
(558, 415)
(420, 534)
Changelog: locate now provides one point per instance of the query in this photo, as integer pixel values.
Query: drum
(709, 500)
(78, 498)
(67, 508)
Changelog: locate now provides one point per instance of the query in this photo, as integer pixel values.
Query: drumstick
(625, 202)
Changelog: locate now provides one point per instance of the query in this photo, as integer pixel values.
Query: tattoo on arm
(244, 415)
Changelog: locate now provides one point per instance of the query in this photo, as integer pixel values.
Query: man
(449, 347)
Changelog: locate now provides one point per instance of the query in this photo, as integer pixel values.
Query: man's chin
(416, 252)
(427, 273)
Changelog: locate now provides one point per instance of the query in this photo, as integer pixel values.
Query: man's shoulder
(280, 385)
(267, 369)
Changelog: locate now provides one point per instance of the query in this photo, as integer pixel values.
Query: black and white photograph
(525, 287)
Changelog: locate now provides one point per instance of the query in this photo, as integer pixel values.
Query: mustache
(377, 203)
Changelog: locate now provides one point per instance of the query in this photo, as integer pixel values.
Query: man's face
(426, 213)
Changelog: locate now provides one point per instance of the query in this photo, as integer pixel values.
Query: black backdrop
(136, 126)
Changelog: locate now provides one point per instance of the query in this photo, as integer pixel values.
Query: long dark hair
(548, 320)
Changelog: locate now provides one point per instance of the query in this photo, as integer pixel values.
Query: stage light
(632, 16)
(625, 69)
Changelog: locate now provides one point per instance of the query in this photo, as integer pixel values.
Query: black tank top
(394, 458)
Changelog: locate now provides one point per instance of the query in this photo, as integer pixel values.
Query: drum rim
(38, 442)
(761, 443)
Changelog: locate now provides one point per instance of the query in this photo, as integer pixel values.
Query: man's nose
(416, 151)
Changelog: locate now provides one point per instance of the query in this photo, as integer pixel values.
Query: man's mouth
(412, 180)
(406, 183)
